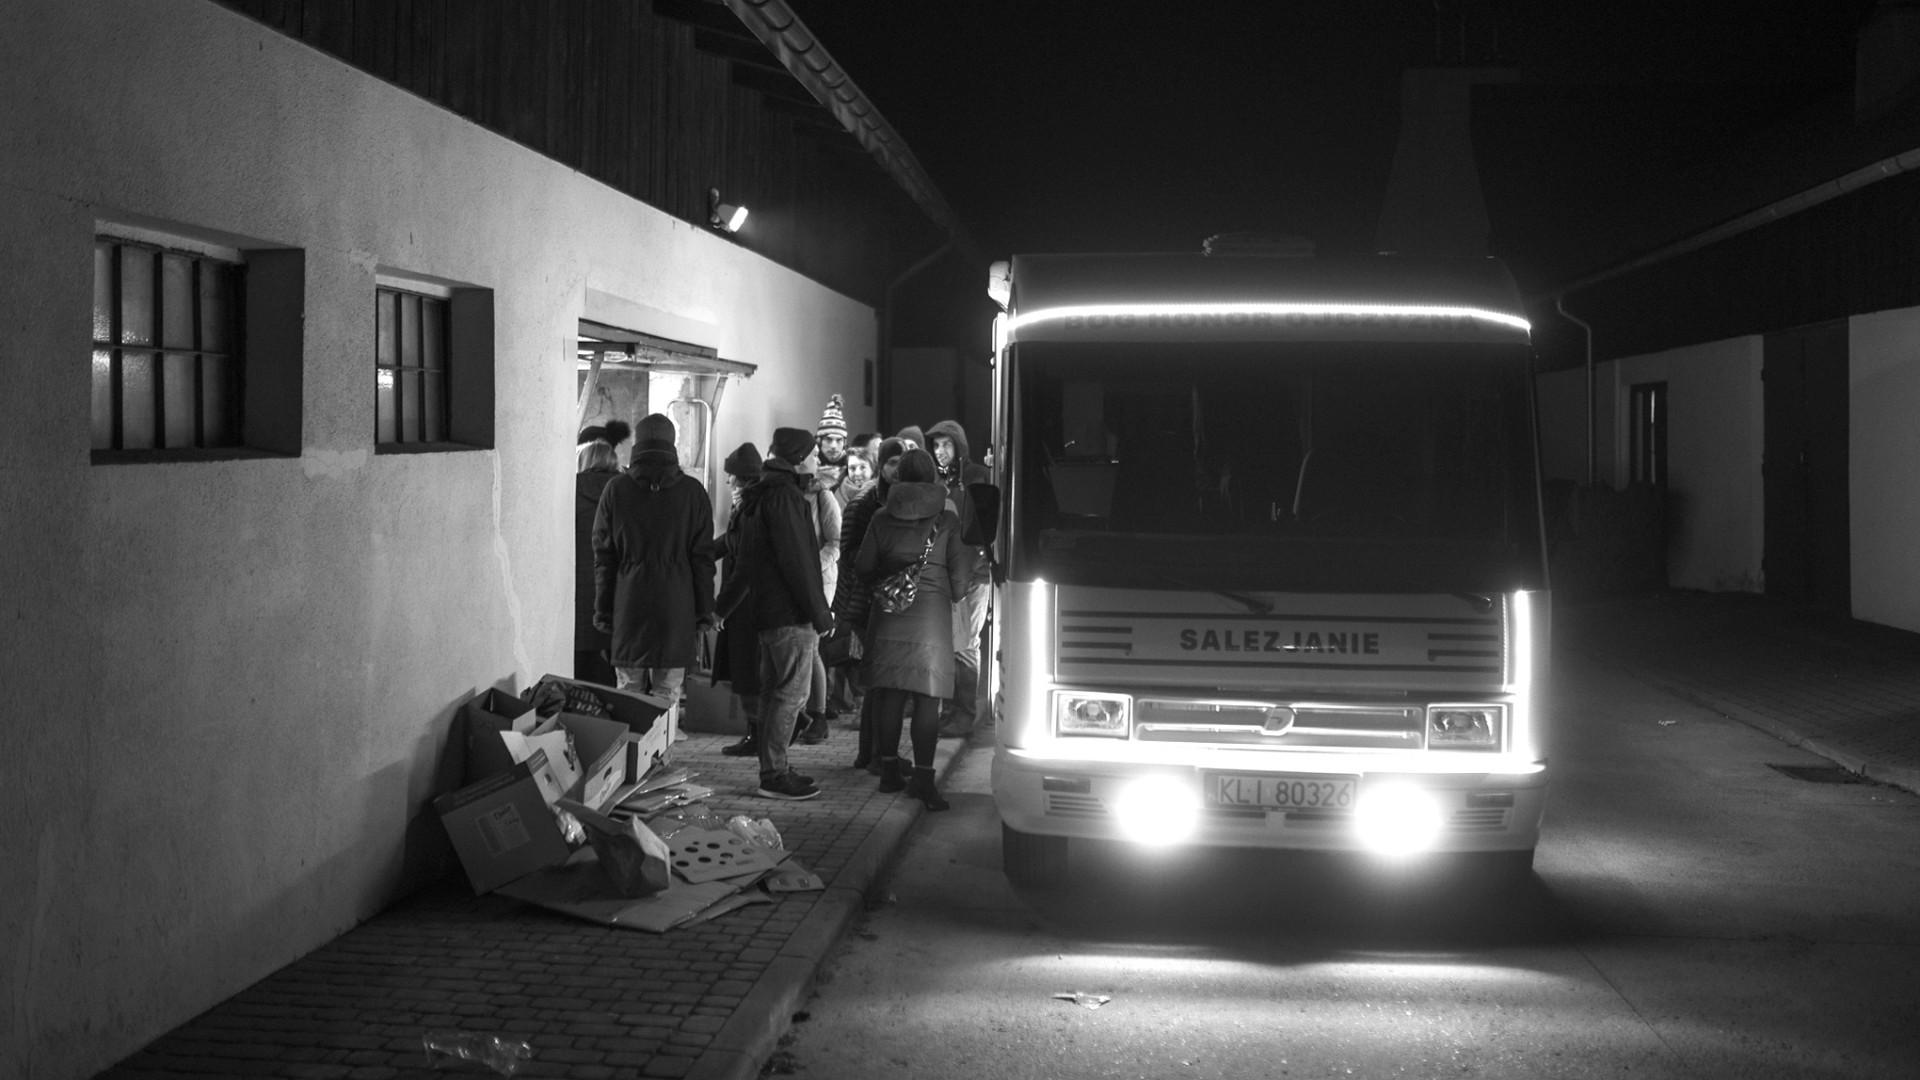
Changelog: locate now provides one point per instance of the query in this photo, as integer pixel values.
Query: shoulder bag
(895, 593)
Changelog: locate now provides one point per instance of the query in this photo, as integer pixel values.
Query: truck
(1270, 558)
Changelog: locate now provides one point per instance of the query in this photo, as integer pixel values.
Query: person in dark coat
(779, 574)
(910, 653)
(852, 600)
(953, 458)
(598, 466)
(737, 650)
(653, 565)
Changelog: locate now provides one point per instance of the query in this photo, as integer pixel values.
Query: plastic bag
(759, 832)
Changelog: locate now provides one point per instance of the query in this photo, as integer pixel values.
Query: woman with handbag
(852, 600)
(915, 564)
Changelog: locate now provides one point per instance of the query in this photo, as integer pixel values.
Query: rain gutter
(808, 61)
(1885, 169)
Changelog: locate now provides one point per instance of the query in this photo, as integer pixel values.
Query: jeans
(969, 619)
(660, 682)
(786, 675)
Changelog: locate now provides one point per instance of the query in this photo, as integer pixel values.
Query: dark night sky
(1054, 125)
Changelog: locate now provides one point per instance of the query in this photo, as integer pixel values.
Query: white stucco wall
(230, 683)
(1883, 461)
(1714, 431)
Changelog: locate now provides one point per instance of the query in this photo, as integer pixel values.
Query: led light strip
(1175, 311)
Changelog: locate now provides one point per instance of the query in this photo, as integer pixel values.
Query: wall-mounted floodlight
(724, 216)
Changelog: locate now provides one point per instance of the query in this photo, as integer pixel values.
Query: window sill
(181, 457)
(426, 448)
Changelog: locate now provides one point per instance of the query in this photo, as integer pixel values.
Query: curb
(1905, 777)
(752, 1034)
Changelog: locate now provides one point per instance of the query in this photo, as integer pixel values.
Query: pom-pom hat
(833, 419)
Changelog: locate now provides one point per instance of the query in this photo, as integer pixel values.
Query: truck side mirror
(986, 515)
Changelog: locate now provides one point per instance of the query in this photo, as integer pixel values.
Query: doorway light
(724, 216)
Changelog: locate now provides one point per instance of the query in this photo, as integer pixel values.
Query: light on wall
(724, 216)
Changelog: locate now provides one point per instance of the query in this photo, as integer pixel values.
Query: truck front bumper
(1469, 811)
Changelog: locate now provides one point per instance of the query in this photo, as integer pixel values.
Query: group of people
(864, 540)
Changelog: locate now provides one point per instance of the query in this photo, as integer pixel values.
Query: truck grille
(1277, 726)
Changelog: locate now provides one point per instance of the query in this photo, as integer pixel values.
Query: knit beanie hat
(656, 437)
(790, 444)
(619, 431)
(913, 434)
(744, 462)
(833, 421)
(889, 449)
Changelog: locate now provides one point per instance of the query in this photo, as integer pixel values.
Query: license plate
(1254, 791)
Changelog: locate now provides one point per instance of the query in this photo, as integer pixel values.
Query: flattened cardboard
(579, 888)
(502, 827)
(708, 854)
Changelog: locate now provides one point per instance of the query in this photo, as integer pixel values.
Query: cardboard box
(503, 827)
(482, 719)
(641, 712)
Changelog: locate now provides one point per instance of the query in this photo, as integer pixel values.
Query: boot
(920, 786)
(747, 747)
(816, 730)
(891, 779)
(864, 757)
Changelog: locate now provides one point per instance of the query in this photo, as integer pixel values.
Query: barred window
(410, 368)
(166, 348)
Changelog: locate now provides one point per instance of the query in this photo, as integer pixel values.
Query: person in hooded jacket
(598, 466)
(780, 572)
(910, 658)
(852, 602)
(736, 653)
(825, 512)
(951, 455)
(653, 565)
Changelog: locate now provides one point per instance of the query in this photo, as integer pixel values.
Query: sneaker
(787, 786)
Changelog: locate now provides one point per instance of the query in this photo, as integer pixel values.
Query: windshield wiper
(1251, 603)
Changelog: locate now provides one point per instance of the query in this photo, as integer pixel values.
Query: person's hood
(655, 474)
(777, 472)
(588, 485)
(916, 501)
(914, 435)
(952, 430)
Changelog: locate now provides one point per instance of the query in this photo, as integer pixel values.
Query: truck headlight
(1079, 713)
(1397, 819)
(1157, 810)
(1465, 727)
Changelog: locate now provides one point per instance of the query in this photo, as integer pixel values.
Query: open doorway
(625, 375)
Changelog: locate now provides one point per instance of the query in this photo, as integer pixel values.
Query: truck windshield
(1299, 466)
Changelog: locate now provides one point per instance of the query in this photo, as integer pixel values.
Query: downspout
(883, 372)
(1560, 305)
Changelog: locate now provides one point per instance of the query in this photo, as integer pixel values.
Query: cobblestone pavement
(704, 1001)
(1844, 689)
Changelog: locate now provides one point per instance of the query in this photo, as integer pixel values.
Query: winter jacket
(587, 487)
(913, 650)
(736, 650)
(826, 525)
(852, 599)
(779, 556)
(955, 478)
(653, 565)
